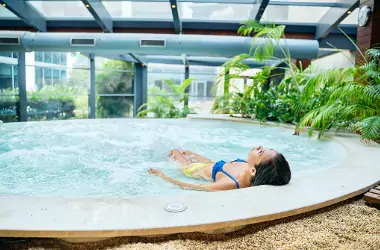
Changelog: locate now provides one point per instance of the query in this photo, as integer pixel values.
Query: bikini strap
(231, 177)
(239, 160)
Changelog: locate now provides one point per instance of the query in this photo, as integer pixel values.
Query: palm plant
(345, 98)
(270, 36)
(166, 104)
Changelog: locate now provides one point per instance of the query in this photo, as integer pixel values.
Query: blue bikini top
(218, 167)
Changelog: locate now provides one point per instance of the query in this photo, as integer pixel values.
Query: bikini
(218, 167)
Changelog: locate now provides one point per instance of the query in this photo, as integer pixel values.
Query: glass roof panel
(216, 11)
(307, 1)
(352, 18)
(132, 9)
(59, 9)
(294, 14)
(5, 13)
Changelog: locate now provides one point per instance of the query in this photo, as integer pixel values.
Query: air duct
(122, 43)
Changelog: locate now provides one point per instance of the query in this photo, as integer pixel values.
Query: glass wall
(57, 85)
(114, 88)
(201, 90)
(159, 75)
(8, 86)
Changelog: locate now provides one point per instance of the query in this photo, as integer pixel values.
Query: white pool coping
(91, 218)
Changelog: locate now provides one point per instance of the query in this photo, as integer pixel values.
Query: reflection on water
(109, 158)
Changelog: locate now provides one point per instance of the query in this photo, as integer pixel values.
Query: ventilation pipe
(150, 44)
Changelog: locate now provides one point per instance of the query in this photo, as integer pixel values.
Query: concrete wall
(344, 59)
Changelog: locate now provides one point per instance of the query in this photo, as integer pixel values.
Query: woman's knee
(173, 152)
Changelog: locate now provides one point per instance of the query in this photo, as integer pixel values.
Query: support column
(92, 94)
(226, 88)
(369, 35)
(187, 76)
(140, 87)
(23, 101)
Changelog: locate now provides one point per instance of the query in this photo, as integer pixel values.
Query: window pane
(57, 57)
(298, 14)
(54, 97)
(113, 76)
(216, 11)
(6, 54)
(352, 18)
(39, 56)
(48, 57)
(114, 82)
(59, 9)
(114, 106)
(202, 89)
(8, 93)
(6, 14)
(128, 9)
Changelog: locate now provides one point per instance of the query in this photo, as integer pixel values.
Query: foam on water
(110, 158)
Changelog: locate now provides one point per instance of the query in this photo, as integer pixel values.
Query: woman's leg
(178, 156)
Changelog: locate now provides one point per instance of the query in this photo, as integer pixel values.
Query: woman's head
(271, 167)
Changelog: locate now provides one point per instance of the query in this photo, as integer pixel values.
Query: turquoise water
(110, 157)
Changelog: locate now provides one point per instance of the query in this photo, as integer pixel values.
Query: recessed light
(173, 6)
(175, 207)
(4, 5)
(87, 6)
(349, 12)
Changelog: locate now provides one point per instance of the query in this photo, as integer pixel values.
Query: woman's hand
(156, 172)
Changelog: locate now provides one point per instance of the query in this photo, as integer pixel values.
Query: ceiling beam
(334, 16)
(176, 19)
(100, 14)
(26, 13)
(326, 3)
(261, 8)
(135, 58)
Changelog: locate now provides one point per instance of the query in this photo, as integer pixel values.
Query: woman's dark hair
(274, 172)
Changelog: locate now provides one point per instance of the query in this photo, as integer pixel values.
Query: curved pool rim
(87, 219)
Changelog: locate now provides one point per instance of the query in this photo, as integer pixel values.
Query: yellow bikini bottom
(191, 168)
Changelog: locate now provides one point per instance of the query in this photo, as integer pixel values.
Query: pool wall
(87, 219)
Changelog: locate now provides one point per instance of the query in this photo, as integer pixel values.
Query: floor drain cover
(175, 207)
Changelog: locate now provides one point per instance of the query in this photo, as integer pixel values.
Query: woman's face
(259, 155)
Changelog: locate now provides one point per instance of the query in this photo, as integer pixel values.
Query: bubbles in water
(110, 158)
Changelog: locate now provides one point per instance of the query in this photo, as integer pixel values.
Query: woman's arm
(216, 186)
(197, 156)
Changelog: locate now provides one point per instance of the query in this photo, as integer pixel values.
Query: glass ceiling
(280, 11)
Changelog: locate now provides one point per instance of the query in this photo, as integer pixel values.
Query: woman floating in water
(262, 167)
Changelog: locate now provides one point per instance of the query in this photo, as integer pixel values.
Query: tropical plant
(348, 98)
(169, 103)
(320, 99)
(269, 39)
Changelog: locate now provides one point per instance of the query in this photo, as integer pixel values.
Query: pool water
(110, 157)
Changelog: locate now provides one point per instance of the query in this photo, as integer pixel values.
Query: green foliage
(167, 104)
(114, 82)
(318, 99)
(50, 102)
(345, 98)
(269, 36)
(273, 103)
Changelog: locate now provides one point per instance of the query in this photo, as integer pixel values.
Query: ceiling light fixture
(173, 6)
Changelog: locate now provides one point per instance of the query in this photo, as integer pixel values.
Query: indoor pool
(110, 157)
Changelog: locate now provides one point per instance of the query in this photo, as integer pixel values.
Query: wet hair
(276, 172)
